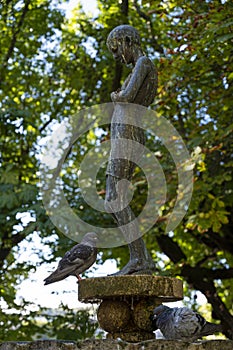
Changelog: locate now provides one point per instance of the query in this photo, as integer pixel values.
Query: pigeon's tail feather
(54, 277)
(48, 281)
(211, 328)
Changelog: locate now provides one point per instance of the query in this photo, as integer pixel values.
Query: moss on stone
(107, 344)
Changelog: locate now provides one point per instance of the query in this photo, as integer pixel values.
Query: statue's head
(123, 33)
(122, 39)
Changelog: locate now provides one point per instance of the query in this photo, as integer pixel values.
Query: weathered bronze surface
(139, 88)
(127, 299)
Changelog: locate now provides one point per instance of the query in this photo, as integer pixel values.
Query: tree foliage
(51, 67)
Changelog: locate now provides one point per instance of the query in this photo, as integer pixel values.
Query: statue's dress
(126, 125)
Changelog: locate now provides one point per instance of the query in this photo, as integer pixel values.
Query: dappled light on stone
(127, 302)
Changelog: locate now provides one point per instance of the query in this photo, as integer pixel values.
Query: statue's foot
(136, 267)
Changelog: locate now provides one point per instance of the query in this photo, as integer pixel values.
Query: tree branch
(216, 241)
(171, 249)
(125, 8)
(14, 37)
(8, 244)
(207, 287)
(147, 18)
(16, 32)
(117, 76)
(201, 279)
(10, 241)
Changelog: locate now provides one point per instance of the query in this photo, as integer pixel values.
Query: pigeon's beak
(152, 317)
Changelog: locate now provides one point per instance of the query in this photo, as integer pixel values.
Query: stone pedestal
(127, 302)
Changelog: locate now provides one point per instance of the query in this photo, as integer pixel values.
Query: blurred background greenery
(53, 63)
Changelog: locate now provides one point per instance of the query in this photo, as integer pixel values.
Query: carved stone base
(127, 302)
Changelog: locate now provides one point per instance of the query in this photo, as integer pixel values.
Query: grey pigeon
(77, 260)
(182, 323)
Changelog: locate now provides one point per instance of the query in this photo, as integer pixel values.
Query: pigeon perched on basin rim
(182, 323)
(77, 260)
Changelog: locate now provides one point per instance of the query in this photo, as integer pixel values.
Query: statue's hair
(123, 33)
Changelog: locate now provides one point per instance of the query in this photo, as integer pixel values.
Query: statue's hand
(114, 96)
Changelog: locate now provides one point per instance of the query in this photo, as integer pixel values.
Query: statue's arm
(129, 91)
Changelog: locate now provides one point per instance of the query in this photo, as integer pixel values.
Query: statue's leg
(116, 203)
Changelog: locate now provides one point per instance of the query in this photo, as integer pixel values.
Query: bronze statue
(139, 88)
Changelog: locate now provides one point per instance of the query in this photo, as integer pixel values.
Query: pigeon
(77, 260)
(182, 323)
